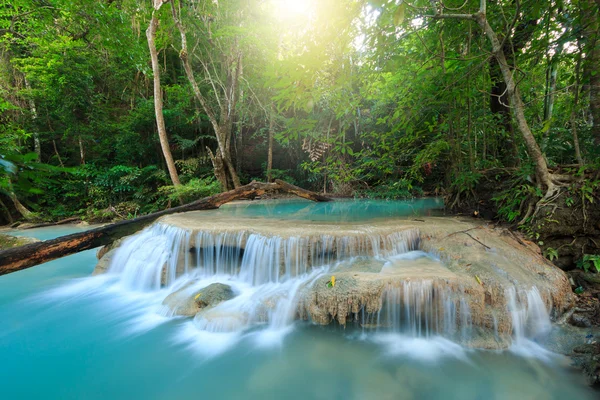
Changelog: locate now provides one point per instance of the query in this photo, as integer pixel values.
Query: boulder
(189, 300)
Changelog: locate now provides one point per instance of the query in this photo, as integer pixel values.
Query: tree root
(553, 192)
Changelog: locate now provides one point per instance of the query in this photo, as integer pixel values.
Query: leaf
(399, 14)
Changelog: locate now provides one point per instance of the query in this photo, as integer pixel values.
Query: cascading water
(530, 318)
(423, 309)
(266, 273)
(161, 253)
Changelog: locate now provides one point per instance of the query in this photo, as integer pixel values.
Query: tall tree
(158, 96)
(222, 71)
(544, 177)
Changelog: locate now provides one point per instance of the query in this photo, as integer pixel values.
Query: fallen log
(298, 191)
(27, 256)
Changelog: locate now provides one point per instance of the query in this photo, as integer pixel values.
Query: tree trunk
(28, 215)
(158, 102)
(225, 135)
(27, 256)
(533, 149)
(57, 155)
(222, 126)
(219, 169)
(37, 147)
(81, 151)
(270, 151)
(573, 117)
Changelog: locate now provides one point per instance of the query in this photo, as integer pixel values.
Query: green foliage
(551, 253)
(588, 262)
(511, 202)
(195, 189)
(284, 175)
(399, 190)
(465, 182)
(364, 94)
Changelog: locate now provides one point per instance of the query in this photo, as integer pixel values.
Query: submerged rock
(213, 294)
(189, 300)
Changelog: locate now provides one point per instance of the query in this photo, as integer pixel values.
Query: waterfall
(530, 318)
(266, 272)
(161, 253)
(150, 257)
(423, 309)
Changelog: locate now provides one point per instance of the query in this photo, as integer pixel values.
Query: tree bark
(81, 151)
(158, 102)
(499, 98)
(270, 151)
(219, 169)
(518, 107)
(28, 215)
(573, 117)
(27, 256)
(37, 147)
(298, 191)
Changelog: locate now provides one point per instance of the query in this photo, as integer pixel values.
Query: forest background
(115, 108)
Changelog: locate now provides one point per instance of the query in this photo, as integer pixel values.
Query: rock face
(189, 300)
(437, 275)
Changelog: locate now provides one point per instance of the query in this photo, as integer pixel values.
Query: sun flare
(290, 9)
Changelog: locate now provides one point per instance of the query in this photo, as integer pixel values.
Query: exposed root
(553, 192)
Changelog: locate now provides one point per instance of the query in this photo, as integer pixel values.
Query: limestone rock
(104, 262)
(189, 300)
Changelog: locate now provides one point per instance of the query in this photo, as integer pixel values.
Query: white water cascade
(159, 254)
(530, 318)
(268, 273)
(423, 309)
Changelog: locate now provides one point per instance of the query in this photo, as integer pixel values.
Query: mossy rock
(9, 241)
(187, 301)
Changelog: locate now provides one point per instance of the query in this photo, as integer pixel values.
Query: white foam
(428, 350)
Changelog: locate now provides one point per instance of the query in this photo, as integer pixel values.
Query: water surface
(68, 336)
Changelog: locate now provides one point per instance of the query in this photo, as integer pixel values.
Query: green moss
(8, 241)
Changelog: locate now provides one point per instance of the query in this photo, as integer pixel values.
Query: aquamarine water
(65, 335)
(338, 211)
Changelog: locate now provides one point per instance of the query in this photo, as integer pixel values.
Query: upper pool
(338, 211)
